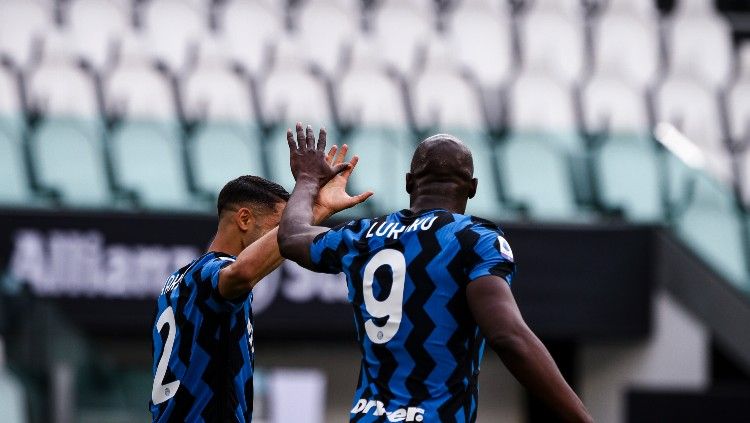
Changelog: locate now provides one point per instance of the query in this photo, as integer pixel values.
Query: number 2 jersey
(407, 274)
(203, 348)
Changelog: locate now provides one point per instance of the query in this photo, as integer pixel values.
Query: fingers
(300, 136)
(340, 168)
(361, 198)
(290, 140)
(352, 163)
(322, 139)
(342, 154)
(310, 138)
(331, 154)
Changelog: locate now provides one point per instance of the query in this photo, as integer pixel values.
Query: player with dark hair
(203, 335)
(428, 285)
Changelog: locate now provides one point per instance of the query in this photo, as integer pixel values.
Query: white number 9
(391, 307)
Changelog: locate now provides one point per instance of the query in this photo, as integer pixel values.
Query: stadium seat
(58, 86)
(712, 227)
(441, 97)
(400, 27)
(386, 154)
(738, 100)
(220, 152)
(570, 8)
(643, 9)
(136, 89)
(291, 93)
(172, 28)
(69, 158)
(692, 107)
(628, 44)
(249, 28)
(611, 104)
(148, 160)
(480, 36)
(539, 103)
(22, 23)
(15, 189)
(96, 26)
(384, 103)
(213, 91)
(617, 111)
(628, 176)
(11, 118)
(324, 28)
(552, 40)
(536, 174)
(700, 40)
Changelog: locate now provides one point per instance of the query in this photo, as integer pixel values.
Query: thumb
(361, 197)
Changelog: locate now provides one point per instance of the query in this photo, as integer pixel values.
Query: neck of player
(451, 201)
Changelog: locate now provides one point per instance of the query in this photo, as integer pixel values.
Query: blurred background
(609, 137)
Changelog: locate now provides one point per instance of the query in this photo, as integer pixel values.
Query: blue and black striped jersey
(202, 348)
(407, 274)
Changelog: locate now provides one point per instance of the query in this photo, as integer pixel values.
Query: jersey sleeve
(210, 275)
(486, 252)
(327, 249)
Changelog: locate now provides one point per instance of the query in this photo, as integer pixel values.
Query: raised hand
(307, 158)
(333, 197)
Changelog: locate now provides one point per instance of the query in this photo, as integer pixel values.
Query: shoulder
(472, 224)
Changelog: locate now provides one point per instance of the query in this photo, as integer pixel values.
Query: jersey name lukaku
(203, 348)
(407, 274)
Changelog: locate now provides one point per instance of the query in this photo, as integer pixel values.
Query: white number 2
(162, 392)
(390, 307)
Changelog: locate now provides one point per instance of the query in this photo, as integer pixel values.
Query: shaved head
(442, 171)
(442, 155)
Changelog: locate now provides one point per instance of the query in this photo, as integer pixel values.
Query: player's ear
(473, 187)
(409, 182)
(244, 218)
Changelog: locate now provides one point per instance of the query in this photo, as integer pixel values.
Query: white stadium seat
(611, 104)
(250, 28)
(213, 91)
(324, 28)
(628, 44)
(700, 41)
(539, 102)
(96, 26)
(172, 28)
(384, 103)
(738, 99)
(442, 97)
(642, 9)
(58, 86)
(692, 107)
(135, 89)
(400, 28)
(553, 40)
(22, 22)
(481, 39)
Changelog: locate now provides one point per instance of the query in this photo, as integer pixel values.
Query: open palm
(333, 196)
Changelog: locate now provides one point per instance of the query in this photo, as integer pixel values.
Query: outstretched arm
(263, 256)
(297, 229)
(495, 311)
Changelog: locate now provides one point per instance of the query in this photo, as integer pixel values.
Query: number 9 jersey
(203, 348)
(407, 274)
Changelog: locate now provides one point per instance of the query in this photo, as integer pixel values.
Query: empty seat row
(481, 35)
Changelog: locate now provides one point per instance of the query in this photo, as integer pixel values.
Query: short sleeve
(486, 252)
(210, 274)
(326, 250)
